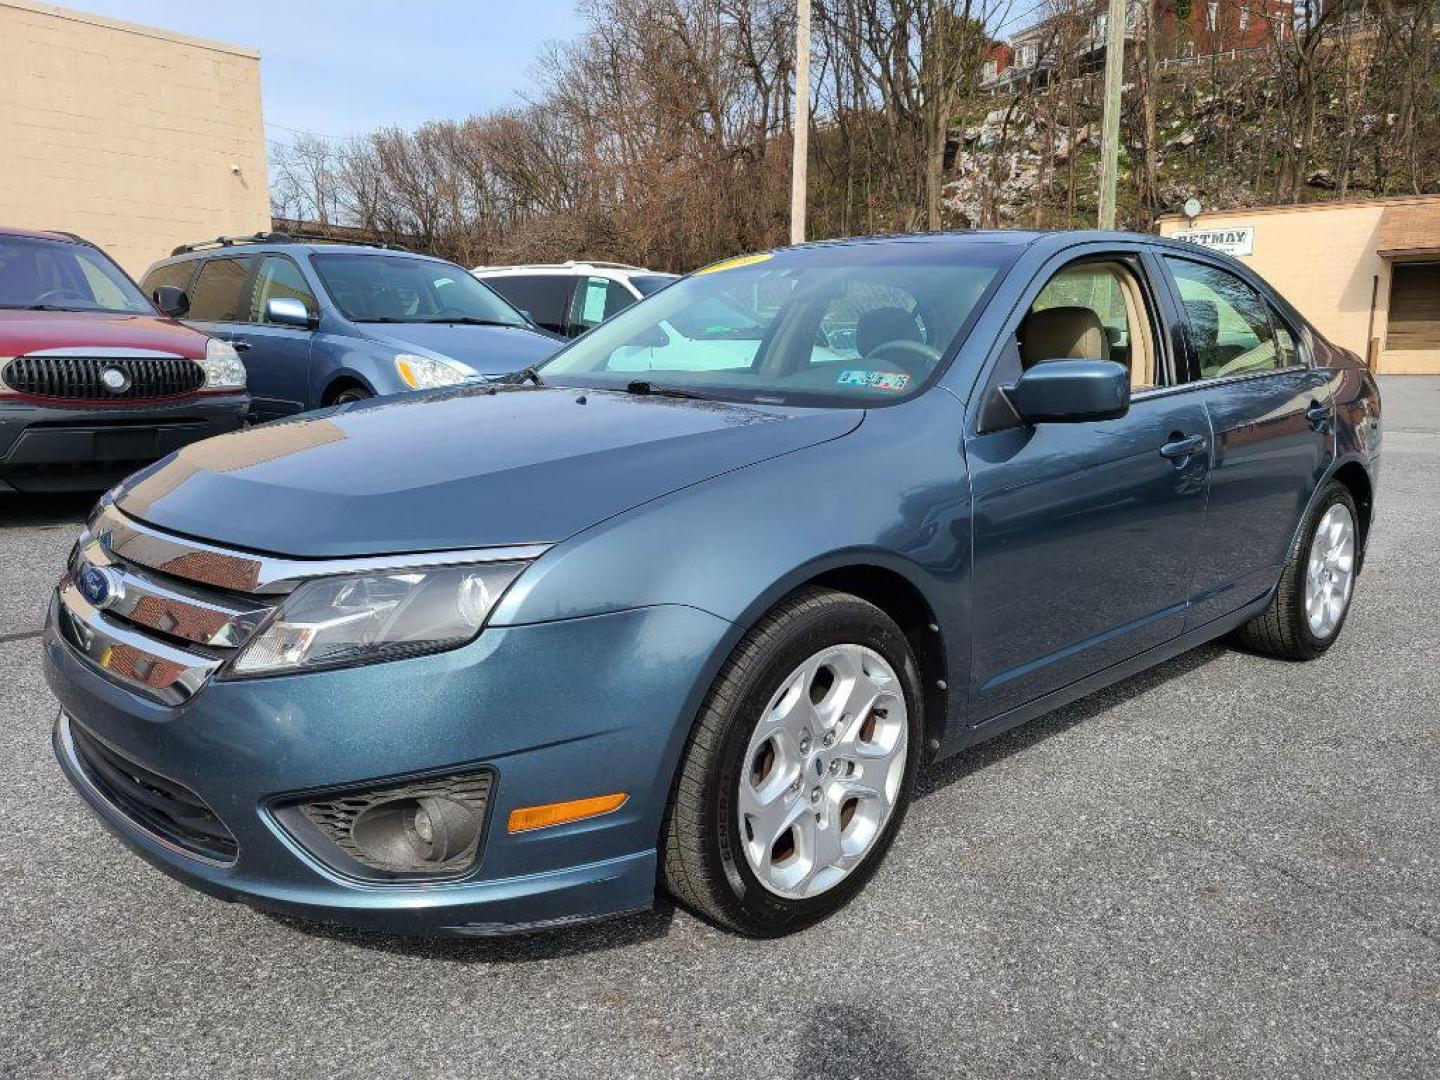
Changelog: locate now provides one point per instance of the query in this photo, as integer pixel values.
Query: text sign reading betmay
(1239, 240)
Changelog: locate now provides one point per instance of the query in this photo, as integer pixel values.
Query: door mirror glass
(287, 311)
(1071, 391)
(172, 301)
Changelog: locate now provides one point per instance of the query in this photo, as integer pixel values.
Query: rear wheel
(800, 768)
(1310, 604)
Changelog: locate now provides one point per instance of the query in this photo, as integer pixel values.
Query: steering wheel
(915, 357)
(61, 294)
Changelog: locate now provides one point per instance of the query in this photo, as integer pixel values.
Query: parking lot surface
(1226, 866)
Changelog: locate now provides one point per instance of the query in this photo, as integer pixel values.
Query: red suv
(94, 381)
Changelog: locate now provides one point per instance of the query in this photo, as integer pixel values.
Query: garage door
(1414, 307)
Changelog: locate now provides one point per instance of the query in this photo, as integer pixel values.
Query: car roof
(44, 234)
(282, 247)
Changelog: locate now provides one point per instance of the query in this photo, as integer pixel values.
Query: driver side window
(1092, 311)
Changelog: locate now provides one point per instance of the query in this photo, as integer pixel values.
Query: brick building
(136, 138)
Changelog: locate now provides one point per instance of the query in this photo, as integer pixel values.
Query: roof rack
(277, 237)
(571, 264)
(230, 241)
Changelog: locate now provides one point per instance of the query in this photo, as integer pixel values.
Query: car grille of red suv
(84, 378)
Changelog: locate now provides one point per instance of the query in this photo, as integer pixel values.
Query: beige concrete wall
(127, 134)
(1323, 258)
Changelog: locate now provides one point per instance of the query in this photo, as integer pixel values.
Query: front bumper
(46, 447)
(558, 711)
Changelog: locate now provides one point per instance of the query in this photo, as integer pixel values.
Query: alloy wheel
(822, 771)
(1330, 571)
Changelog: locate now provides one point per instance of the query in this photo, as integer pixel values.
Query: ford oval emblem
(115, 380)
(100, 585)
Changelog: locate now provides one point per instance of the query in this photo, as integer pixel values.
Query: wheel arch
(341, 381)
(899, 598)
(872, 578)
(1362, 489)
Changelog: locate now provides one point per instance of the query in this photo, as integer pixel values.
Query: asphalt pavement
(1226, 866)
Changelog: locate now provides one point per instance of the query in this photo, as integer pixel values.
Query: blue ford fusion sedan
(688, 611)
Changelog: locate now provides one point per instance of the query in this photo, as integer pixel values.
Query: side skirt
(1021, 714)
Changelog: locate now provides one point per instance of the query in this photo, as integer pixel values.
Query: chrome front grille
(161, 636)
(90, 378)
(161, 614)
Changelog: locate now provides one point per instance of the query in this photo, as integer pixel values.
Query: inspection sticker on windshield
(893, 381)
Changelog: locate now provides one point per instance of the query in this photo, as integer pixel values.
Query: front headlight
(223, 369)
(385, 615)
(426, 372)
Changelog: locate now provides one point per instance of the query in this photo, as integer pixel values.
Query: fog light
(426, 828)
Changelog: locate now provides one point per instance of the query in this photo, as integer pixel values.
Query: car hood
(24, 332)
(490, 350)
(459, 468)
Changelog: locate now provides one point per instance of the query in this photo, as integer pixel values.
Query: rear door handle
(1183, 448)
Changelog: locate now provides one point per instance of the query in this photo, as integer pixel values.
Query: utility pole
(1110, 123)
(801, 153)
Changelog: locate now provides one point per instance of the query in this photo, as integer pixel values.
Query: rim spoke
(1330, 571)
(802, 841)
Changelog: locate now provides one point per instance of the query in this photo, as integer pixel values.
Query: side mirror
(1071, 391)
(172, 301)
(287, 311)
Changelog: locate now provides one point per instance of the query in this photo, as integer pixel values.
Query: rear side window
(545, 296)
(595, 301)
(1230, 328)
(219, 293)
(176, 275)
(279, 278)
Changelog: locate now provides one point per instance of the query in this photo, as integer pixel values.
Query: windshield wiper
(644, 386)
(530, 374)
(470, 320)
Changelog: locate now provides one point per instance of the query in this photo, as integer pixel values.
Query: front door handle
(240, 346)
(1319, 415)
(1182, 448)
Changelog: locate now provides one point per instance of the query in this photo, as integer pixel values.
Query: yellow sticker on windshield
(736, 263)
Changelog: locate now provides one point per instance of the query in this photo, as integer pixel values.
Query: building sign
(1237, 240)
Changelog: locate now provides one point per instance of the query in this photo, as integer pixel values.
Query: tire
(708, 844)
(350, 394)
(1284, 629)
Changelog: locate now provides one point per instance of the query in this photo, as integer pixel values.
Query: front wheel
(351, 394)
(1310, 603)
(800, 767)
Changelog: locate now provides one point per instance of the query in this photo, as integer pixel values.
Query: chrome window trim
(1224, 380)
(268, 575)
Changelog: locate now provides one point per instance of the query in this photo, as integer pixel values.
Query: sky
(344, 67)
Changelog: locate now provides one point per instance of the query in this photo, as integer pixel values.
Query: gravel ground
(1226, 866)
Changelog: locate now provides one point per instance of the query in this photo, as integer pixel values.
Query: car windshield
(397, 288)
(646, 284)
(824, 325)
(53, 275)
